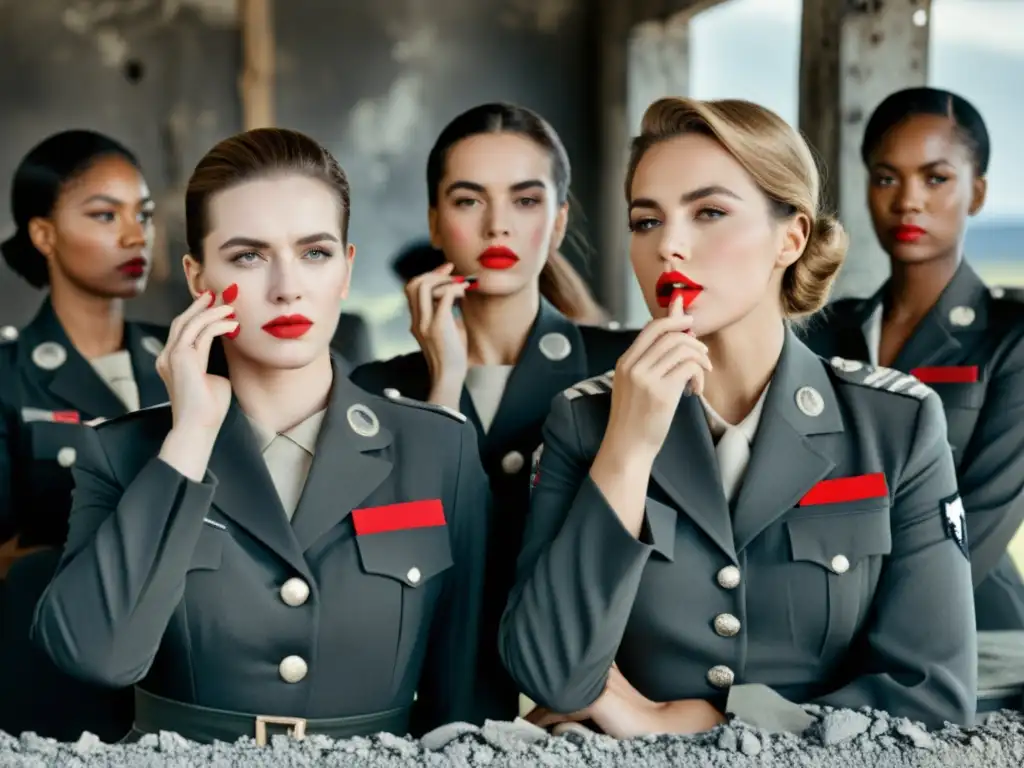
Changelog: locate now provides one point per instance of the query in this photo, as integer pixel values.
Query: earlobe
(435, 239)
(40, 232)
(350, 257)
(193, 275)
(980, 191)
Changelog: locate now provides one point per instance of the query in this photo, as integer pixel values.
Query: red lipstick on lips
(133, 267)
(288, 326)
(672, 282)
(498, 257)
(908, 233)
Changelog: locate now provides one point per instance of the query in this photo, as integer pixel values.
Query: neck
(915, 288)
(497, 326)
(278, 398)
(744, 357)
(94, 325)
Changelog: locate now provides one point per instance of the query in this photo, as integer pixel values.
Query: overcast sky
(977, 50)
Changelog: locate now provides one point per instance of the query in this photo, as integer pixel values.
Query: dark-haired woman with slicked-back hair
(731, 524)
(498, 182)
(84, 233)
(276, 549)
(927, 155)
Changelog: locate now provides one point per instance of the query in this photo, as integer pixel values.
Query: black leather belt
(202, 724)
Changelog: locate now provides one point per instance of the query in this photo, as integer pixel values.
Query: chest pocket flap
(412, 556)
(839, 540)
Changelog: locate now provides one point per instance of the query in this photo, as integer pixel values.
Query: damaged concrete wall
(374, 81)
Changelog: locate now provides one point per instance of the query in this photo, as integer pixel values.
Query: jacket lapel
(552, 359)
(687, 471)
(785, 463)
(347, 466)
(961, 308)
(63, 370)
(246, 494)
(144, 349)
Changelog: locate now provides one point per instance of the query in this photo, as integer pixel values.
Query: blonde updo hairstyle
(783, 167)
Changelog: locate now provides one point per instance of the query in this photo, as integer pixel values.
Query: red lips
(908, 233)
(670, 282)
(498, 257)
(288, 326)
(133, 267)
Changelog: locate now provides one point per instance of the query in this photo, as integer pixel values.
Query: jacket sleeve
(920, 650)
(576, 579)
(992, 470)
(123, 570)
(448, 681)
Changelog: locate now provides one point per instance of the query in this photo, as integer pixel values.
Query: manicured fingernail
(230, 317)
(230, 293)
(234, 333)
(458, 279)
(213, 298)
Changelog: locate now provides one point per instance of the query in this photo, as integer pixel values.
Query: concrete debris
(837, 739)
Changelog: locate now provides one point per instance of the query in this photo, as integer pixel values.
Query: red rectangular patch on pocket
(840, 489)
(396, 517)
(947, 374)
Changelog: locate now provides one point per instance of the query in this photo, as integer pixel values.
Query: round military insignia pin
(49, 355)
(961, 316)
(810, 401)
(153, 345)
(362, 420)
(555, 346)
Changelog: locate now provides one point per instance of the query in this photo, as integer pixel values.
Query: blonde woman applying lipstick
(84, 232)
(276, 549)
(789, 534)
(498, 185)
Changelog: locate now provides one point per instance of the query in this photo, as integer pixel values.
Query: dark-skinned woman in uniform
(498, 187)
(730, 523)
(927, 154)
(83, 213)
(275, 549)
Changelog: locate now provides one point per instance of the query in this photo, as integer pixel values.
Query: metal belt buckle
(296, 727)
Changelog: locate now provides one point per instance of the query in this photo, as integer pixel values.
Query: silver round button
(67, 456)
(840, 564)
(8, 333)
(555, 346)
(998, 293)
(414, 575)
(392, 393)
(849, 366)
(512, 462)
(729, 577)
(292, 669)
(294, 592)
(961, 316)
(721, 676)
(810, 401)
(727, 625)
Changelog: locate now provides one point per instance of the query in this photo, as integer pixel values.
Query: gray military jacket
(204, 593)
(839, 577)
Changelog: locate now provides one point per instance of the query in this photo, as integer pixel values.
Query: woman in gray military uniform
(498, 184)
(927, 154)
(276, 549)
(789, 532)
(84, 223)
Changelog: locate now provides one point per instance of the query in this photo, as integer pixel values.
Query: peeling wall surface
(374, 81)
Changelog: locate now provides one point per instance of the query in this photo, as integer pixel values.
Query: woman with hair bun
(729, 523)
(83, 214)
(927, 155)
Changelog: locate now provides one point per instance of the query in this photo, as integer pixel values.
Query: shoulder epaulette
(396, 397)
(1011, 293)
(877, 377)
(596, 385)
